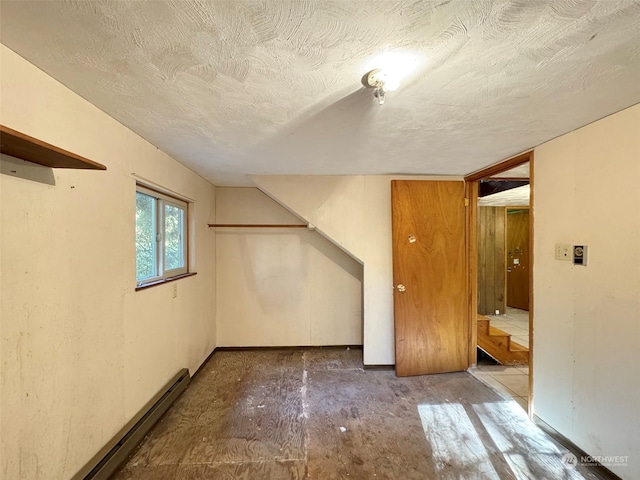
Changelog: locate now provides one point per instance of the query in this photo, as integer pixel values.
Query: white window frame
(161, 200)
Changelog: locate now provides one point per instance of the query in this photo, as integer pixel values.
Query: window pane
(173, 237)
(145, 236)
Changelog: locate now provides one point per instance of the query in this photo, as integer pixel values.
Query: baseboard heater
(114, 453)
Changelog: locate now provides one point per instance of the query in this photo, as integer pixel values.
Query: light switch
(563, 252)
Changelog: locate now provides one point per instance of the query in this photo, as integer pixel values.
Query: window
(161, 236)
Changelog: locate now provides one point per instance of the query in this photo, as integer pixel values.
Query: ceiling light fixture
(387, 69)
(381, 82)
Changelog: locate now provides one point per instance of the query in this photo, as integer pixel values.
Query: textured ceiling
(521, 171)
(518, 196)
(273, 87)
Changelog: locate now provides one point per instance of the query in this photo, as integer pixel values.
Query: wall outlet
(564, 251)
(175, 290)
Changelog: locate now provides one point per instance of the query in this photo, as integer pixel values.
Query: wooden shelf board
(23, 146)
(249, 225)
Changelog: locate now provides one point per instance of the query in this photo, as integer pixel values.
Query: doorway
(500, 274)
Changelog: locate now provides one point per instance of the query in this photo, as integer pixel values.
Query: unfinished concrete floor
(317, 414)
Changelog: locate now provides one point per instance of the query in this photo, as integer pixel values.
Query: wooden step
(516, 347)
(499, 345)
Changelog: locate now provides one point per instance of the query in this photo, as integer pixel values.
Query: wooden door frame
(472, 182)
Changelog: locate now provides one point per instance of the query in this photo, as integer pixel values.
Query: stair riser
(498, 344)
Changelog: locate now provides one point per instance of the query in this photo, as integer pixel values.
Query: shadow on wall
(16, 167)
(326, 189)
(338, 256)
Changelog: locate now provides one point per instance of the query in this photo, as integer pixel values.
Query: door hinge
(466, 202)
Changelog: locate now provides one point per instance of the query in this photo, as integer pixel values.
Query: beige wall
(81, 350)
(587, 319)
(280, 287)
(355, 213)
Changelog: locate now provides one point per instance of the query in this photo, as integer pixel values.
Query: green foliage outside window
(173, 227)
(145, 236)
(160, 239)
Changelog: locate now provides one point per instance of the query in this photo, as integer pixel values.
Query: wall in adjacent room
(587, 318)
(281, 286)
(82, 351)
(491, 260)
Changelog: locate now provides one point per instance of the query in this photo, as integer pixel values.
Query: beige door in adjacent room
(429, 274)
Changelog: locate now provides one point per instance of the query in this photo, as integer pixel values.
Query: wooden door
(429, 274)
(518, 258)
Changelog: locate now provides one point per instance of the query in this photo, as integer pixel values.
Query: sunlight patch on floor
(479, 439)
(512, 432)
(455, 443)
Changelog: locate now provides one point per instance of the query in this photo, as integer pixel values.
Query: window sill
(165, 280)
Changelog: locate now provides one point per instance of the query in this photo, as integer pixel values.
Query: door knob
(401, 287)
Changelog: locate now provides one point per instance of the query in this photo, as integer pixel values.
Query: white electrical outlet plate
(564, 251)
